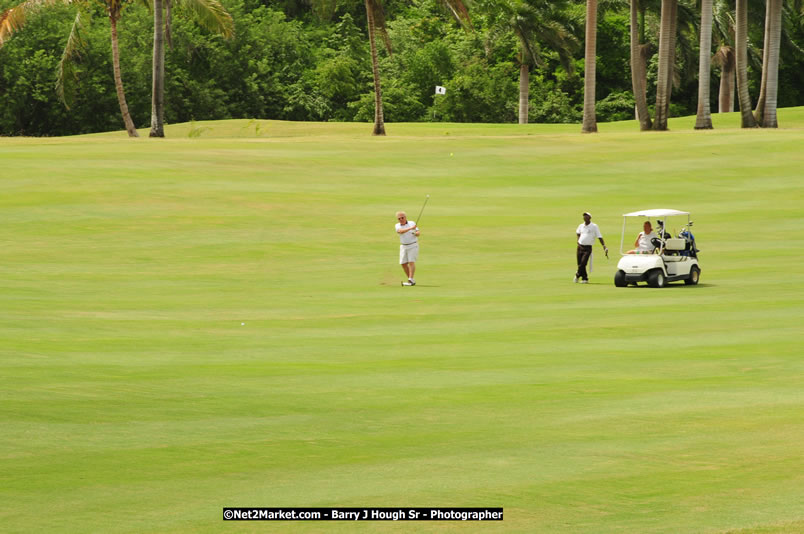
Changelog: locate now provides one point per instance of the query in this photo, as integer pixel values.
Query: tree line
(80, 66)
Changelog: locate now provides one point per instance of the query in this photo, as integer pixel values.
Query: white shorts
(408, 253)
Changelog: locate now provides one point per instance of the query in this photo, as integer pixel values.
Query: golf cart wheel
(619, 279)
(695, 275)
(656, 278)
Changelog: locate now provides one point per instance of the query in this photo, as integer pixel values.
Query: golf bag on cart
(690, 249)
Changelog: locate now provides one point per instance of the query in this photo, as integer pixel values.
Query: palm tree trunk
(741, 49)
(118, 82)
(589, 116)
(158, 77)
(665, 66)
(168, 25)
(771, 94)
(726, 96)
(645, 53)
(379, 121)
(638, 72)
(642, 27)
(524, 90)
(763, 85)
(704, 119)
(672, 65)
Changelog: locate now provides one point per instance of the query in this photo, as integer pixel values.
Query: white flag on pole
(440, 90)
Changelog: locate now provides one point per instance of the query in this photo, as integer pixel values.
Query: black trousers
(584, 251)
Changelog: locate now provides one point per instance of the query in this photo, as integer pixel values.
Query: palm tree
(766, 107)
(666, 64)
(671, 66)
(724, 58)
(638, 70)
(113, 8)
(704, 119)
(158, 74)
(732, 44)
(790, 16)
(13, 19)
(682, 36)
(533, 21)
(209, 13)
(589, 69)
(763, 85)
(376, 24)
(373, 10)
(741, 49)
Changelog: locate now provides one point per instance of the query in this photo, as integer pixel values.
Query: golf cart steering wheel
(656, 242)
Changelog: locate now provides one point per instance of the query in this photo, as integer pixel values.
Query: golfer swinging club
(586, 233)
(409, 246)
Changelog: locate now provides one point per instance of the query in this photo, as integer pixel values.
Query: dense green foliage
(292, 61)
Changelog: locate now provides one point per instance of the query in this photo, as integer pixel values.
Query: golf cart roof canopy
(656, 213)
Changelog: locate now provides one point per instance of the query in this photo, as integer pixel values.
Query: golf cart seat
(673, 248)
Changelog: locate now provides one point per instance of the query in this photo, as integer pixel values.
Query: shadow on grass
(400, 285)
(668, 286)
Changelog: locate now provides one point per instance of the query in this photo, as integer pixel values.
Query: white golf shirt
(644, 242)
(408, 238)
(589, 232)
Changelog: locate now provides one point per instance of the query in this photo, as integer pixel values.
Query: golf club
(419, 218)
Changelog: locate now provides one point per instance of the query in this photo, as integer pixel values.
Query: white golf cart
(672, 259)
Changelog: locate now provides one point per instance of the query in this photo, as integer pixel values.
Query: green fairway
(215, 319)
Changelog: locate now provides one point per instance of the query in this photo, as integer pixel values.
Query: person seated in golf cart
(644, 241)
